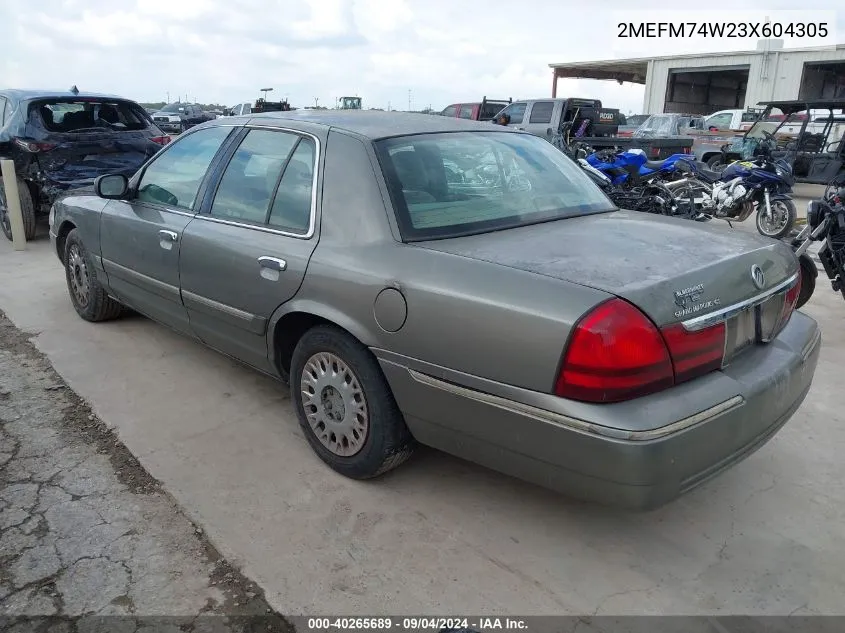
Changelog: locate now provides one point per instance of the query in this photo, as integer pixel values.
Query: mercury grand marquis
(419, 279)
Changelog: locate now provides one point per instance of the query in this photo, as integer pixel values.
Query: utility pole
(316, 102)
(168, 96)
(409, 99)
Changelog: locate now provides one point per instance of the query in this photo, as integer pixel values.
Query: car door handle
(166, 239)
(273, 263)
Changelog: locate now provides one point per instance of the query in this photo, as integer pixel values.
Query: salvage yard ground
(85, 530)
(440, 535)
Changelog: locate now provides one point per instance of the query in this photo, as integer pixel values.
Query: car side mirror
(111, 186)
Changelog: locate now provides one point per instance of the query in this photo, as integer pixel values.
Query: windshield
(68, 115)
(658, 125)
(173, 107)
(446, 185)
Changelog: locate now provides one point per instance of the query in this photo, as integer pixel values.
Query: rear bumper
(638, 469)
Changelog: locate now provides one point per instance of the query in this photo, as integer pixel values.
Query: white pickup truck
(730, 120)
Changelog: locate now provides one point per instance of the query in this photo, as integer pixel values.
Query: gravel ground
(85, 531)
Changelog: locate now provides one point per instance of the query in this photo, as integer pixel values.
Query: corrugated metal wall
(777, 79)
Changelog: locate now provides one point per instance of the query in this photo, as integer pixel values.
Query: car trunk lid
(673, 270)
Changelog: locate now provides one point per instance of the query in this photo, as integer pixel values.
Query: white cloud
(442, 51)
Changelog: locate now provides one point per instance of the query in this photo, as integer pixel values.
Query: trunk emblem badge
(758, 277)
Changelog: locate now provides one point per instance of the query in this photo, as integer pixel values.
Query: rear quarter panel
(460, 314)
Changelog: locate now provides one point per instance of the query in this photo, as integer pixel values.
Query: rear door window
(293, 204)
(246, 189)
(541, 112)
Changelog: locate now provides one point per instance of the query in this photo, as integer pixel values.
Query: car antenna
(74, 89)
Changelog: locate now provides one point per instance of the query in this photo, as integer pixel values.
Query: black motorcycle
(825, 222)
(650, 196)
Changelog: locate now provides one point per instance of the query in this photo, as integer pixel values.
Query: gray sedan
(461, 285)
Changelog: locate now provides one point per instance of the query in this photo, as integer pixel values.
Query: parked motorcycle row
(679, 186)
(825, 224)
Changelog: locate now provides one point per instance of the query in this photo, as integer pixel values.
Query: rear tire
(87, 294)
(715, 163)
(27, 212)
(345, 407)
(808, 272)
(786, 229)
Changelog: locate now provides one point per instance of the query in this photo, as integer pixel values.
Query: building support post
(554, 83)
(13, 203)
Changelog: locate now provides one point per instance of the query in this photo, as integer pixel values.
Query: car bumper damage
(643, 453)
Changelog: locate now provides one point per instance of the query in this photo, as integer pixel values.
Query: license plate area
(754, 325)
(740, 333)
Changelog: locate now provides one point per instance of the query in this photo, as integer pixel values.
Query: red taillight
(790, 302)
(687, 150)
(615, 353)
(655, 152)
(161, 140)
(33, 147)
(695, 353)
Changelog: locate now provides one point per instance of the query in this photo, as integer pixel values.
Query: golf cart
(808, 134)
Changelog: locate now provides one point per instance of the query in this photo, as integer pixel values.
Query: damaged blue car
(62, 141)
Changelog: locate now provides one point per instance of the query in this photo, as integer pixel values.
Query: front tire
(345, 407)
(27, 211)
(87, 294)
(782, 222)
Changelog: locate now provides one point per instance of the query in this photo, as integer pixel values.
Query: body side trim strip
(139, 279)
(574, 423)
(249, 321)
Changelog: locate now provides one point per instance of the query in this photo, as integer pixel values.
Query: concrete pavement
(440, 535)
(84, 530)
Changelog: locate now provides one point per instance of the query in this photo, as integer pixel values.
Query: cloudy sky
(442, 51)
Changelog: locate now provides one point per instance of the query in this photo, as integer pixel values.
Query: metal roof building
(706, 82)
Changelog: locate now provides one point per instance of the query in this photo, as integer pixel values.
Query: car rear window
(74, 116)
(450, 184)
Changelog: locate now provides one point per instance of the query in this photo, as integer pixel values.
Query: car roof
(371, 124)
(23, 95)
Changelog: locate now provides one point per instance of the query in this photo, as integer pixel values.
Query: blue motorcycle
(631, 167)
(762, 184)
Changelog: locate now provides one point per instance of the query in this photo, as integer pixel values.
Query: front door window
(174, 177)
